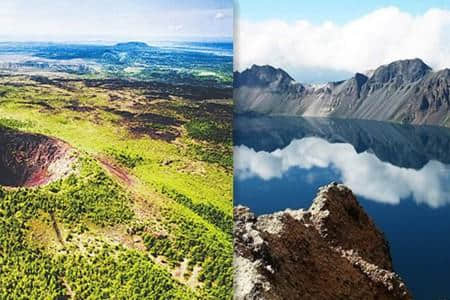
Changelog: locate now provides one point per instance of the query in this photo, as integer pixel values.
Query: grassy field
(147, 212)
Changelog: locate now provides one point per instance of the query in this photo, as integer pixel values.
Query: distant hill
(407, 91)
(132, 45)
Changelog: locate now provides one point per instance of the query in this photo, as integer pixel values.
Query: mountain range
(406, 91)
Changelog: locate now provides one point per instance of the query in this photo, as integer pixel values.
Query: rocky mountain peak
(408, 70)
(262, 76)
(360, 79)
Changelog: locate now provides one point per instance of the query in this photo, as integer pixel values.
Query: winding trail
(56, 228)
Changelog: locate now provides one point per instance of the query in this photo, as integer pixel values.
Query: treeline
(208, 130)
(13, 123)
(208, 212)
(126, 159)
(218, 138)
(216, 154)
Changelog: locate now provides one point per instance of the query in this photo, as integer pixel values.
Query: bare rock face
(28, 160)
(406, 91)
(330, 251)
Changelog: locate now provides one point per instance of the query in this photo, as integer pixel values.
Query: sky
(327, 10)
(320, 41)
(115, 20)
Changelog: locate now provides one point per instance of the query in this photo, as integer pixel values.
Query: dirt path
(56, 228)
(124, 176)
(70, 292)
(119, 172)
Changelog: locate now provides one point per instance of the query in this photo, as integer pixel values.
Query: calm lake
(400, 174)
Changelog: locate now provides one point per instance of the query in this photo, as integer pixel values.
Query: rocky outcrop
(266, 76)
(28, 160)
(333, 250)
(406, 91)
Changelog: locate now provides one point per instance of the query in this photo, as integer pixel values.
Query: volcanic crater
(29, 160)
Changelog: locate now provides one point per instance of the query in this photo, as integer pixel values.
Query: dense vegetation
(126, 159)
(209, 131)
(163, 234)
(208, 212)
(210, 251)
(104, 271)
(12, 123)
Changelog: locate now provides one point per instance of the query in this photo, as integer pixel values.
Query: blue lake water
(400, 174)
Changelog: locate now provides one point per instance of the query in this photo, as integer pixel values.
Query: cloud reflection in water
(364, 173)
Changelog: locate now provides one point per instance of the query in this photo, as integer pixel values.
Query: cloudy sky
(319, 41)
(70, 20)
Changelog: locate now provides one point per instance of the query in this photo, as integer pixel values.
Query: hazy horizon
(115, 20)
(4, 40)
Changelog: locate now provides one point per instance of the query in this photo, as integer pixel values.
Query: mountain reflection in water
(400, 174)
(405, 146)
(366, 174)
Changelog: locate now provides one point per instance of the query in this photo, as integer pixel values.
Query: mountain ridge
(406, 91)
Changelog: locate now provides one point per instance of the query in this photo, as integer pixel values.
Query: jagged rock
(263, 76)
(402, 71)
(406, 91)
(330, 251)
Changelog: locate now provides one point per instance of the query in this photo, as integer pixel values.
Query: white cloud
(220, 15)
(380, 37)
(363, 172)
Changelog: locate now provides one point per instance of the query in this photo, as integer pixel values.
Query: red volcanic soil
(121, 173)
(28, 160)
